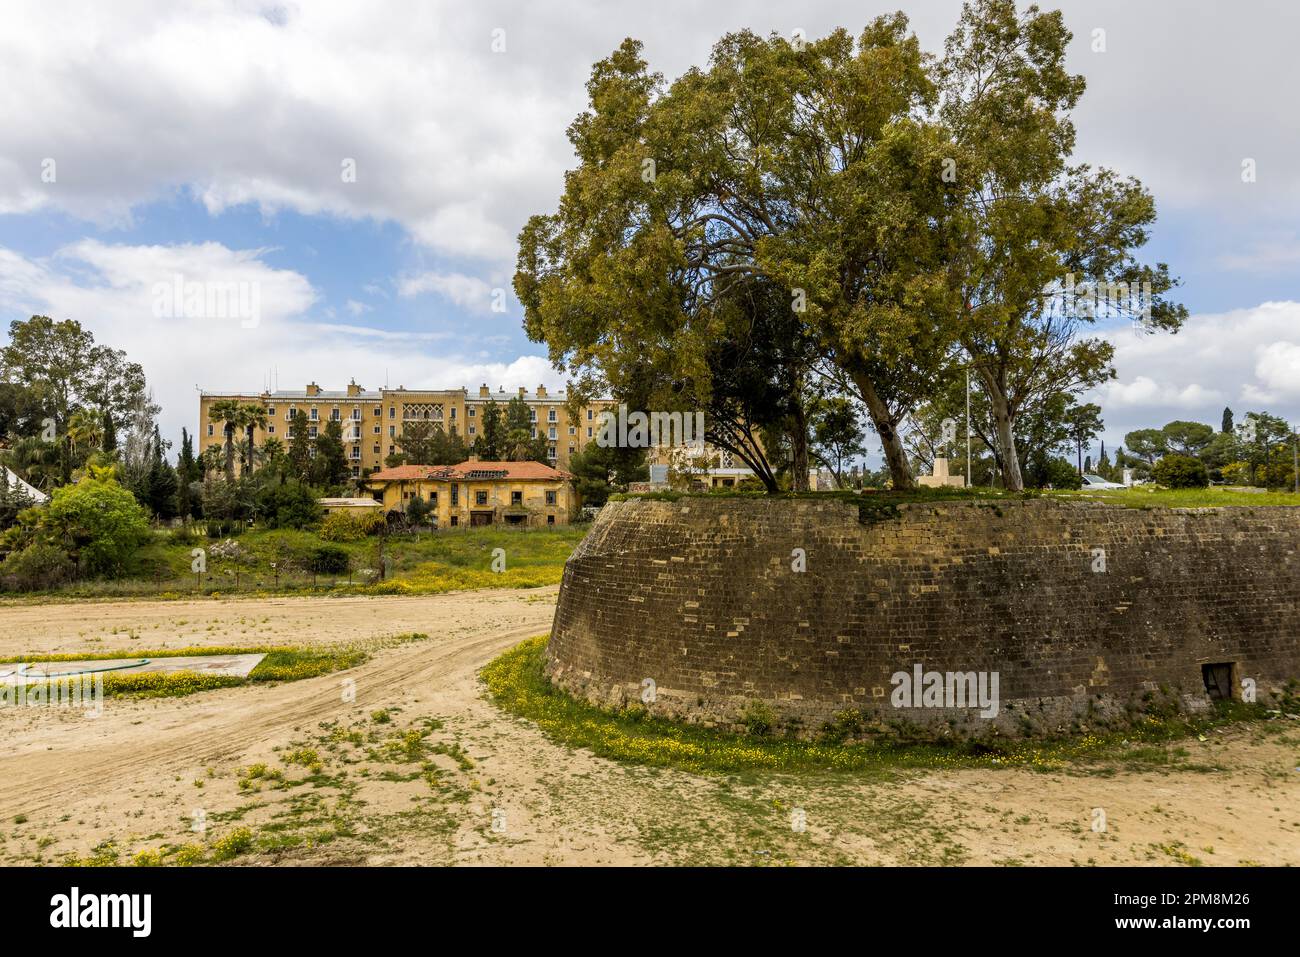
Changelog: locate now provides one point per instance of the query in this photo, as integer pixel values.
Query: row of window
(480, 496)
(313, 414)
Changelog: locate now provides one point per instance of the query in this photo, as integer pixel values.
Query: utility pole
(970, 479)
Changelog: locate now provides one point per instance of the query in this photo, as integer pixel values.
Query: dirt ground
(401, 760)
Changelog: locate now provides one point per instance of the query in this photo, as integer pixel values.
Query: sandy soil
(142, 773)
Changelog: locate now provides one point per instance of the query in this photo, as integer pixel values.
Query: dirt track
(503, 793)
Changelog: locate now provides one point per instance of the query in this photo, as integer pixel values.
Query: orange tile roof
(465, 471)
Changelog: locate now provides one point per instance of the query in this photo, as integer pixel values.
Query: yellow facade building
(372, 420)
(480, 493)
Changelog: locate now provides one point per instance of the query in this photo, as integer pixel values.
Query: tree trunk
(900, 472)
(230, 452)
(1012, 480)
(798, 445)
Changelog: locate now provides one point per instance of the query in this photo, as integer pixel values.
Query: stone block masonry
(1083, 611)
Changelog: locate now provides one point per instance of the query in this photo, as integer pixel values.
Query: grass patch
(452, 559)
(1150, 496)
(885, 502)
(282, 663)
(516, 682)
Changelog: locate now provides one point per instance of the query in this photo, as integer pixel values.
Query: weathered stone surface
(700, 596)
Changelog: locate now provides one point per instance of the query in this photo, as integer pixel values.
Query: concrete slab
(238, 666)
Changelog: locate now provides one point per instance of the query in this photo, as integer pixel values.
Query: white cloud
(1247, 359)
(243, 103)
(468, 292)
(109, 289)
(358, 308)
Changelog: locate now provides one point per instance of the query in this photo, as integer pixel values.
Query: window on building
(589, 415)
(392, 431)
(270, 410)
(533, 432)
(552, 434)
(433, 498)
(550, 453)
(516, 498)
(209, 428)
(356, 471)
(292, 412)
(378, 411)
(356, 452)
(480, 498)
(550, 498)
(573, 430)
(472, 413)
(392, 411)
(271, 429)
(311, 432)
(472, 430)
(532, 415)
(334, 414)
(313, 414)
(550, 416)
(390, 450)
(571, 449)
(376, 450)
(588, 431)
(455, 497)
(453, 413)
(454, 521)
(377, 430)
(550, 519)
(356, 413)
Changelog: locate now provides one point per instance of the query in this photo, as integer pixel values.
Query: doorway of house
(1218, 681)
(480, 518)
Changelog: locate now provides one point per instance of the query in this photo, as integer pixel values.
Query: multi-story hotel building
(372, 420)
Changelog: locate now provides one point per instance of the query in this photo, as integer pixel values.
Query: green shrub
(1181, 471)
(97, 520)
(329, 560)
(39, 565)
(290, 505)
(346, 527)
(1044, 471)
(758, 719)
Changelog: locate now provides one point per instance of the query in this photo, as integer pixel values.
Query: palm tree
(254, 417)
(230, 413)
(85, 426)
(210, 460)
(34, 461)
(272, 453)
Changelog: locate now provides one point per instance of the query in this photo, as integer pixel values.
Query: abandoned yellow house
(480, 493)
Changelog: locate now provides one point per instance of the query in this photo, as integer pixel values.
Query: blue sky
(207, 139)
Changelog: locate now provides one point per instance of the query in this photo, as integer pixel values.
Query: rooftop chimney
(484, 391)
(541, 392)
(522, 392)
(473, 457)
(353, 388)
(313, 388)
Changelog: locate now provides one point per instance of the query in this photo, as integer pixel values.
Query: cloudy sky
(366, 167)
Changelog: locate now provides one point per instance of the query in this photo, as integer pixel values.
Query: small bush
(329, 560)
(232, 845)
(39, 565)
(1043, 471)
(758, 719)
(346, 527)
(1181, 471)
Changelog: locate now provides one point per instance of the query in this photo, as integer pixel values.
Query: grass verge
(516, 682)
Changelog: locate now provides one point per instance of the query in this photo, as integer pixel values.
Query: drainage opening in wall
(1218, 680)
